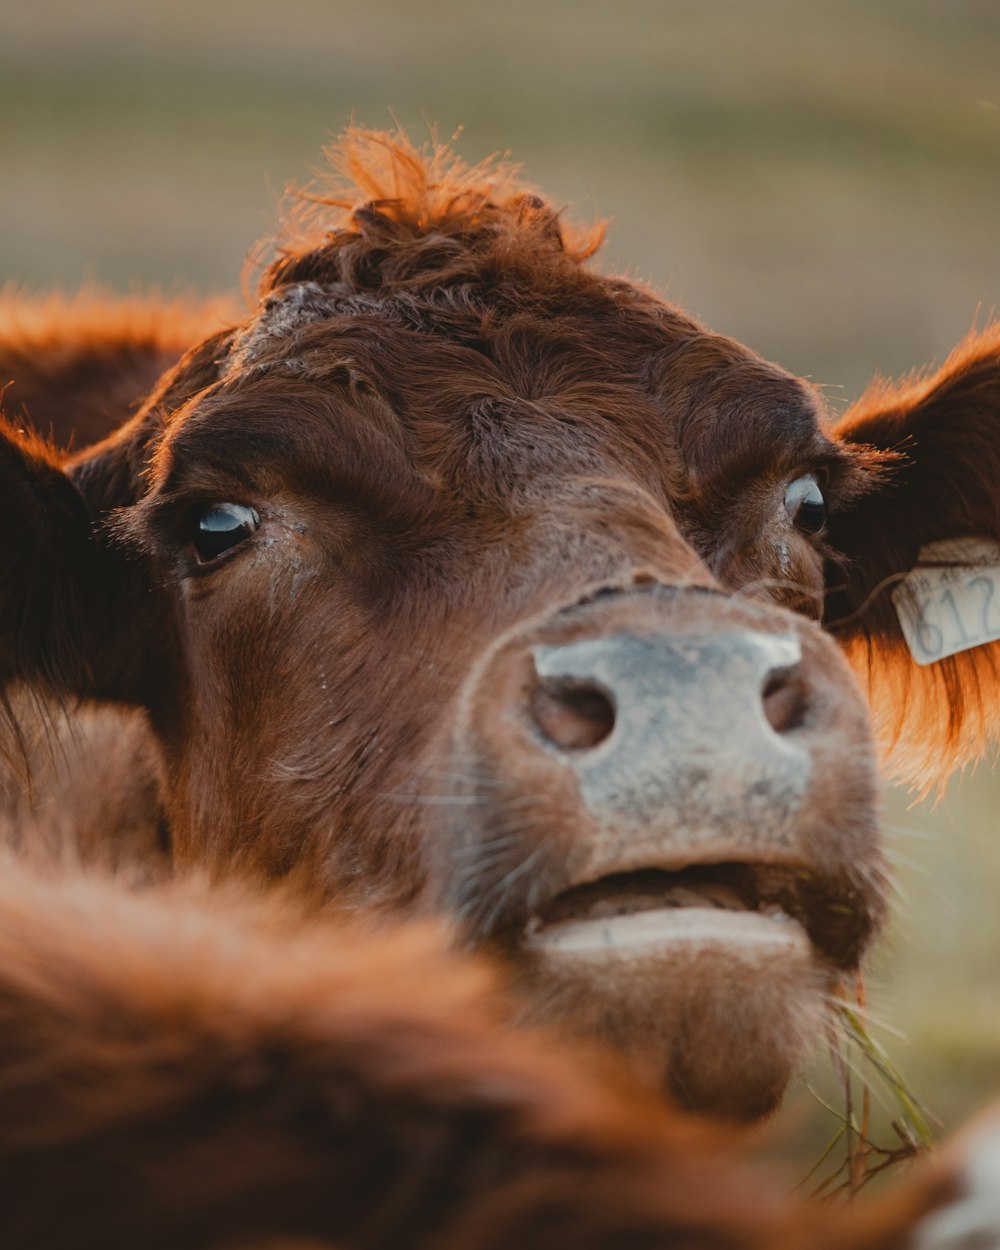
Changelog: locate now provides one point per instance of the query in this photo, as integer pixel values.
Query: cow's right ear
(80, 616)
(61, 578)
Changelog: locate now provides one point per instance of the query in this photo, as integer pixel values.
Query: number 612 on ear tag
(951, 600)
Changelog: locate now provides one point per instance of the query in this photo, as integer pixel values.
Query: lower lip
(668, 926)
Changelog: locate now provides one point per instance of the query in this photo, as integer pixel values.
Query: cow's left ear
(913, 585)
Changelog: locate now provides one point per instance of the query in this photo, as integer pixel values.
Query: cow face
(464, 580)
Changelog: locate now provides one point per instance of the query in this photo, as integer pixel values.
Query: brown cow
(463, 580)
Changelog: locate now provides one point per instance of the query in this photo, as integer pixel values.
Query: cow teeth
(607, 908)
(720, 897)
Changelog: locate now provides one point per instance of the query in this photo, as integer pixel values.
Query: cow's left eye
(218, 526)
(805, 504)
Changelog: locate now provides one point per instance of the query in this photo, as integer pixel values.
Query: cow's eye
(805, 504)
(216, 527)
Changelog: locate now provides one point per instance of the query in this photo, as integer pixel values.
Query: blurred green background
(819, 179)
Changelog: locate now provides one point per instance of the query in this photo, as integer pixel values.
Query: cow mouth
(735, 899)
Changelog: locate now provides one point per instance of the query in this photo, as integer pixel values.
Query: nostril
(572, 714)
(784, 699)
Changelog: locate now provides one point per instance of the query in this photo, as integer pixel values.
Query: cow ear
(44, 566)
(80, 614)
(56, 574)
(915, 604)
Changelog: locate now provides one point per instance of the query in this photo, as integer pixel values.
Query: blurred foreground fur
(193, 1064)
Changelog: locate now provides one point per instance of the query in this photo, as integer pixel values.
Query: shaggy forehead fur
(462, 299)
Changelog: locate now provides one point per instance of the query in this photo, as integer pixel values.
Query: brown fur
(84, 782)
(506, 436)
(192, 1066)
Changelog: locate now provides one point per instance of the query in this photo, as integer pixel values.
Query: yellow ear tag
(950, 601)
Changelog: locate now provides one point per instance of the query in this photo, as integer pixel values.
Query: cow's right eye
(217, 527)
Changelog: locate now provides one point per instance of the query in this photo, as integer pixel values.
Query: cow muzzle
(671, 831)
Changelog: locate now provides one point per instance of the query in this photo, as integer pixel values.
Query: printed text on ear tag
(951, 600)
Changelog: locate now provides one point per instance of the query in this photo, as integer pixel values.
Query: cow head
(464, 579)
